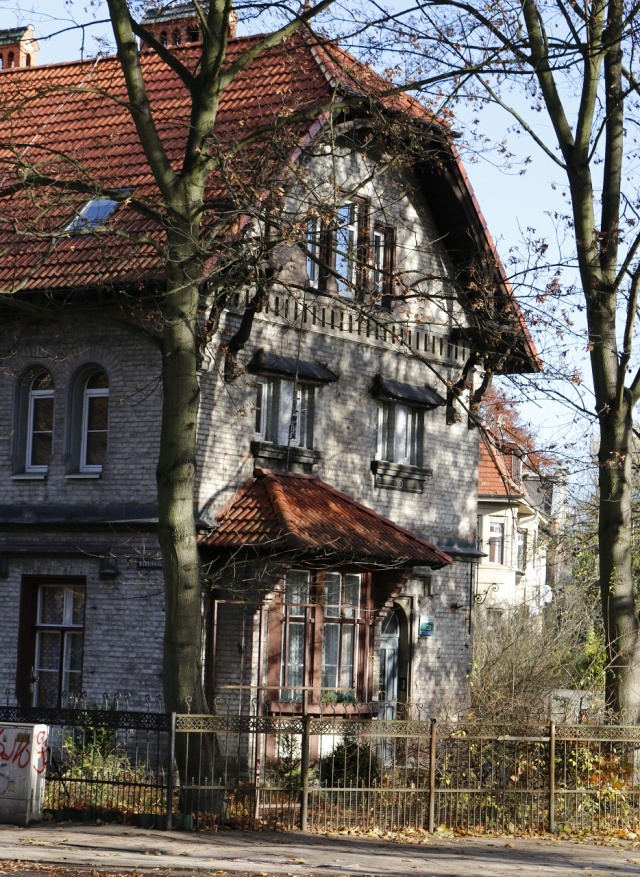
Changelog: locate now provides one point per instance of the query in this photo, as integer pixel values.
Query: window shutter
(389, 265)
(364, 247)
(418, 455)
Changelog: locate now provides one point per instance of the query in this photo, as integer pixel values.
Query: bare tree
(574, 64)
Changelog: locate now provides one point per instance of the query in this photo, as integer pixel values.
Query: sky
(510, 201)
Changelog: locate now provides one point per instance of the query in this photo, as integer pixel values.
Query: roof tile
(284, 511)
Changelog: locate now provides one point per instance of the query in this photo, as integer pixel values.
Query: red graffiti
(18, 752)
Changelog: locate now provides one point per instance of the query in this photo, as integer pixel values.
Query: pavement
(116, 848)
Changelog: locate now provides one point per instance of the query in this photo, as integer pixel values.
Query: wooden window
(318, 637)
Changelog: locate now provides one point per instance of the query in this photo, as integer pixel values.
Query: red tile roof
(71, 122)
(494, 475)
(286, 512)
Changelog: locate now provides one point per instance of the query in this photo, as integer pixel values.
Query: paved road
(264, 854)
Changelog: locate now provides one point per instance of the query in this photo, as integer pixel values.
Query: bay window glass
(321, 633)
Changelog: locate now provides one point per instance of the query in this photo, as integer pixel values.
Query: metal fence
(339, 769)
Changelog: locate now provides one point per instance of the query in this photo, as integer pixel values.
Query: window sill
(29, 476)
(269, 456)
(83, 476)
(396, 476)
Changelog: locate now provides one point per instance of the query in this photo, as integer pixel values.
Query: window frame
(496, 544)
(273, 423)
(399, 423)
(31, 626)
(76, 435)
(84, 223)
(383, 263)
(301, 671)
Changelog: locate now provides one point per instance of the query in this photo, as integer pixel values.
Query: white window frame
(494, 542)
(400, 433)
(314, 232)
(291, 424)
(87, 395)
(32, 397)
(346, 240)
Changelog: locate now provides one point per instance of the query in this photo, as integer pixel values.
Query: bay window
(318, 631)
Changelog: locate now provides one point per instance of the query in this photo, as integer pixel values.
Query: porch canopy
(291, 513)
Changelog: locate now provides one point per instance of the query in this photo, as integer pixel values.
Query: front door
(389, 649)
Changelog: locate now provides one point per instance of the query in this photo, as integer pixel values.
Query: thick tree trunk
(616, 581)
(176, 474)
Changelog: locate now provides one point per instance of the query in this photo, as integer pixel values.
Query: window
(346, 248)
(88, 422)
(39, 423)
(321, 635)
(383, 263)
(33, 423)
(313, 250)
(496, 541)
(59, 637)
(284, 412)
(95, 420)
(95, 213)
(400, 434)
(522, 549)
(339, 250)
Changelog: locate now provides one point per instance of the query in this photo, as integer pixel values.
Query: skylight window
(94, 214)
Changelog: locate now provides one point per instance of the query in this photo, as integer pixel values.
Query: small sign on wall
(427, 625)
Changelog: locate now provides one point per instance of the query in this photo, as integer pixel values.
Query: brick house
(337, 482)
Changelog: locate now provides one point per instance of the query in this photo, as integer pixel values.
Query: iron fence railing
(342, 767)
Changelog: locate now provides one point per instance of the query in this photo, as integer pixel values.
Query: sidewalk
(115, 847)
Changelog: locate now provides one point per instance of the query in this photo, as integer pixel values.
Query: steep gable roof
(71, 122)
(284, 511)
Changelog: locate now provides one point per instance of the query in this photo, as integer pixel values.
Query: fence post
(552, 777)
(432, 777)
(170, 776)
(305, 747)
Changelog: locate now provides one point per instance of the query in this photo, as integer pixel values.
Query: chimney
(176, 24)
(18, 47)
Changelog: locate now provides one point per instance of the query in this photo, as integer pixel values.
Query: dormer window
(95, 213)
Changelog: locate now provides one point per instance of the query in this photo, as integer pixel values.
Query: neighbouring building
(337, 482)
(515, 517)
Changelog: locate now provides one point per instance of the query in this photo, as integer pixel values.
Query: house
(19, 47)
(337, 480)
(515, 516)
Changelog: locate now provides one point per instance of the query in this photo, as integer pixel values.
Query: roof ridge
(279, 501)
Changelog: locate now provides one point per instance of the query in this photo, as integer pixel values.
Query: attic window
(94, 213)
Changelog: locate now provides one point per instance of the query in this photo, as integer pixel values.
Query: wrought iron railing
(335, 769)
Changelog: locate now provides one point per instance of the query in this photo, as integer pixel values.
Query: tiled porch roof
(277, 512)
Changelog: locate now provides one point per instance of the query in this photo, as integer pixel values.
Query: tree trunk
(622, 691)
(176, 473)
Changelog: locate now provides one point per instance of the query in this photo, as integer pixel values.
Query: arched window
(37, 395)
(163, 37)
(176, 37)
(1, 60)
(95, 421)
(27, 60)
(11, 60)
